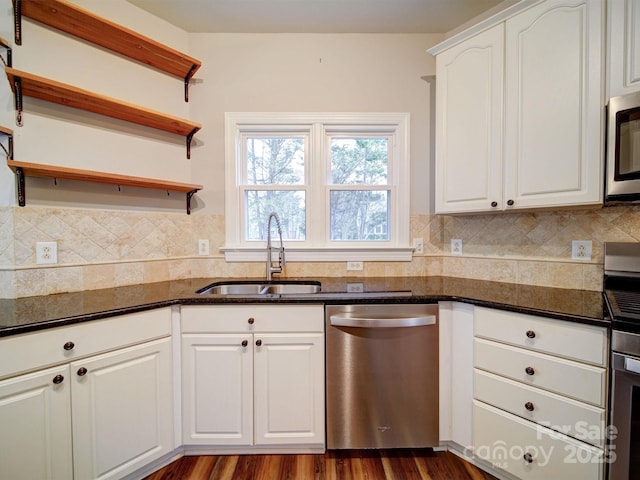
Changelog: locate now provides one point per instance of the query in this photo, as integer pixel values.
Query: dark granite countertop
(29, 314)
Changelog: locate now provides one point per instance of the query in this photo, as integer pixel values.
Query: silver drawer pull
(390, 322)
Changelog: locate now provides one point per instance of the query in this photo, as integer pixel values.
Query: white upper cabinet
(469, 127)
(624, 47)
(554, 104)
(543, 68)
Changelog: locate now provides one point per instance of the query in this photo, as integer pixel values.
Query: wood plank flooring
(422, 464)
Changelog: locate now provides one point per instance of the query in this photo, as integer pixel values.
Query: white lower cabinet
(539, 395)
(571, 417)
(217, 387)
(529, 451)
(456, 373)
(35, 414)
(122, 411)
(289, 389)
(253, 375)
(94, 416)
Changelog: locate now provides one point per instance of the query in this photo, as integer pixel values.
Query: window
(338, 182)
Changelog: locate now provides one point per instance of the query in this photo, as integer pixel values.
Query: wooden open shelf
(23, 83)
(23, 169)
(86, 25)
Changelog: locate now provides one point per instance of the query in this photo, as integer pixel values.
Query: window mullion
(316, 213)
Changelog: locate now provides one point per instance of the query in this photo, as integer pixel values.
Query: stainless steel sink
(261, 287)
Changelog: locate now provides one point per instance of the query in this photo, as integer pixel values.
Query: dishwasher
(382, 376)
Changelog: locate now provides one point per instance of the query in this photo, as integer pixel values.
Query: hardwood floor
(423, 464)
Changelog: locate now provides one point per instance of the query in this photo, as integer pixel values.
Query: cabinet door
(122, 410)
(35, 418)
(289, 388)
(469, 124)
(624, 47)
(554, 104)
(217, 386)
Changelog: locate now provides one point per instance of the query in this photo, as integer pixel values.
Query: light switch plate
(203, 247)
(418, 246)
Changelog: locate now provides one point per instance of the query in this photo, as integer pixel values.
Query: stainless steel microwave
(623, 149)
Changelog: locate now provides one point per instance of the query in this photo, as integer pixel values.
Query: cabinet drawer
(252, 318)
(576, 419)
(582, 382)
(21, 353)
(504, 440)
(576, 341)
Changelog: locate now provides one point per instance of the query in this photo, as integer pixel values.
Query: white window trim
(235, 250)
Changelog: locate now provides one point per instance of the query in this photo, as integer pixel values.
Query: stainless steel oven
(623, 149)
(625, 412)
(622, 298)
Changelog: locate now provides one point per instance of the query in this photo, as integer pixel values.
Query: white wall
(309, 73)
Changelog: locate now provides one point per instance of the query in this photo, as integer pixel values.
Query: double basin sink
(262, 287)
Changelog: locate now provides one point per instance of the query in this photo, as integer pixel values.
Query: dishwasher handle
(388, 322)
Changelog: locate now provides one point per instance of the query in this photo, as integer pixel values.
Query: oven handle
(392, 322)
(630, 364)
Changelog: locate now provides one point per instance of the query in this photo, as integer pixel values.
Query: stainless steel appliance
(382, 376)
(622, 297)
(623, 149)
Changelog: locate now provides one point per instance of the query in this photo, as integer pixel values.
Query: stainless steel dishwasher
(382, 376)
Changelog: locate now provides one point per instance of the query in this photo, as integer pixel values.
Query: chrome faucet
(271, 266)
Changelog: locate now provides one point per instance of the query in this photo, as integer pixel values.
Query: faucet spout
(271, 266)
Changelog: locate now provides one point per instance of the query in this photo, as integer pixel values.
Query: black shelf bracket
(189, 195)
(7, 47)
(8, 151)
(187, 79)
(17, 21)
(21, 189)
(17, 95)
(189, 139)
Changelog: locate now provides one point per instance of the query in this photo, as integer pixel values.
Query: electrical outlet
(581, 249)
(203, 247)
(456, 246)
(418, 246)
(355, 287)
(354, 265)
(46, 253)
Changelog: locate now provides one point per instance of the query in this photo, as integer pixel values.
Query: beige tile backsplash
(104, 248)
